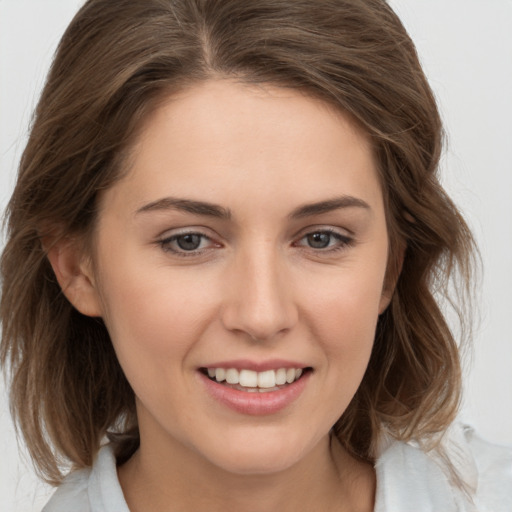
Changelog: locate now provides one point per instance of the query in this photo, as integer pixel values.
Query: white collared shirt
(408, 479)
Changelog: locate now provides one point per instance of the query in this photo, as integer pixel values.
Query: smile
(252, 392)
(252, 381)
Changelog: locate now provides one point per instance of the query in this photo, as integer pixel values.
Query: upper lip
(257, 366)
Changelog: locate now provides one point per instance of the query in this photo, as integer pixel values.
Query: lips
(255, 389)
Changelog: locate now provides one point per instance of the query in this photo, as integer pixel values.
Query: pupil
(319, 240)
(189, 242)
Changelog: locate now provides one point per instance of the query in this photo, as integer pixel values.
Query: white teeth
(253, 380)
(232, 376)
(248, 379)
(267, 379)
(281, 377)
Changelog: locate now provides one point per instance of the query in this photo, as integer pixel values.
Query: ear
(75, 275)
(393, 271)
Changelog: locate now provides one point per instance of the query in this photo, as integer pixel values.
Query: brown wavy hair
(115, 64)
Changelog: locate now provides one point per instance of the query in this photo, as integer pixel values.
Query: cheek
(152, 316)
(342, 322)
(347, 337)
(342, 315)
(346, 305)
(153, 325)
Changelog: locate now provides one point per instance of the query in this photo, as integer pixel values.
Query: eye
(189, 242)
(186, 244)
(324, 239)
(319, 240)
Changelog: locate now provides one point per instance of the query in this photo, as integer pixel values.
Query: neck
(326, 479)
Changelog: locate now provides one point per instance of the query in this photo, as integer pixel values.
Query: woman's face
(248, 241)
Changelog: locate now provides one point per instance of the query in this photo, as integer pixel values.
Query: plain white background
(466, 49)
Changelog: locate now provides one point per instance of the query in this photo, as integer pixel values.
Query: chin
(256, 463)
(260, 453)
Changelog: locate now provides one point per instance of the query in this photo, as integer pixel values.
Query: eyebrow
(327, 206)
(187, 205)
(213, 210)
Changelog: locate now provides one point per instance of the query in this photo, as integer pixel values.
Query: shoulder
(467, 475)
(71, 494)
(95, 489)
(493, 464)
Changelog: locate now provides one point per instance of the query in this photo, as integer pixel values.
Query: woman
(222, 252)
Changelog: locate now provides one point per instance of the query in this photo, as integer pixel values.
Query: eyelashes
(323, 241)
(188, 244)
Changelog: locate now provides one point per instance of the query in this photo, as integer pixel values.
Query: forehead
(226, 140)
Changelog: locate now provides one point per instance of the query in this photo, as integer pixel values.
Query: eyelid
(322, 228)
(171, 235)
(344, 240)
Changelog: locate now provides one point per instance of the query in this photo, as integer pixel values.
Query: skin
(255, 289)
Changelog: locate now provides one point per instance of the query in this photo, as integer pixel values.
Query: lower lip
(256, 403)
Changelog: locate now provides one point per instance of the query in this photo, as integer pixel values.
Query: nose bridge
(260, 302)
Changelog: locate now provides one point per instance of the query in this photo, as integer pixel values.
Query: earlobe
(392, 274)
(75, 276)
(385, 299)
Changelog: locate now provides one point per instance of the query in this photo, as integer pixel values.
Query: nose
(260, 300)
